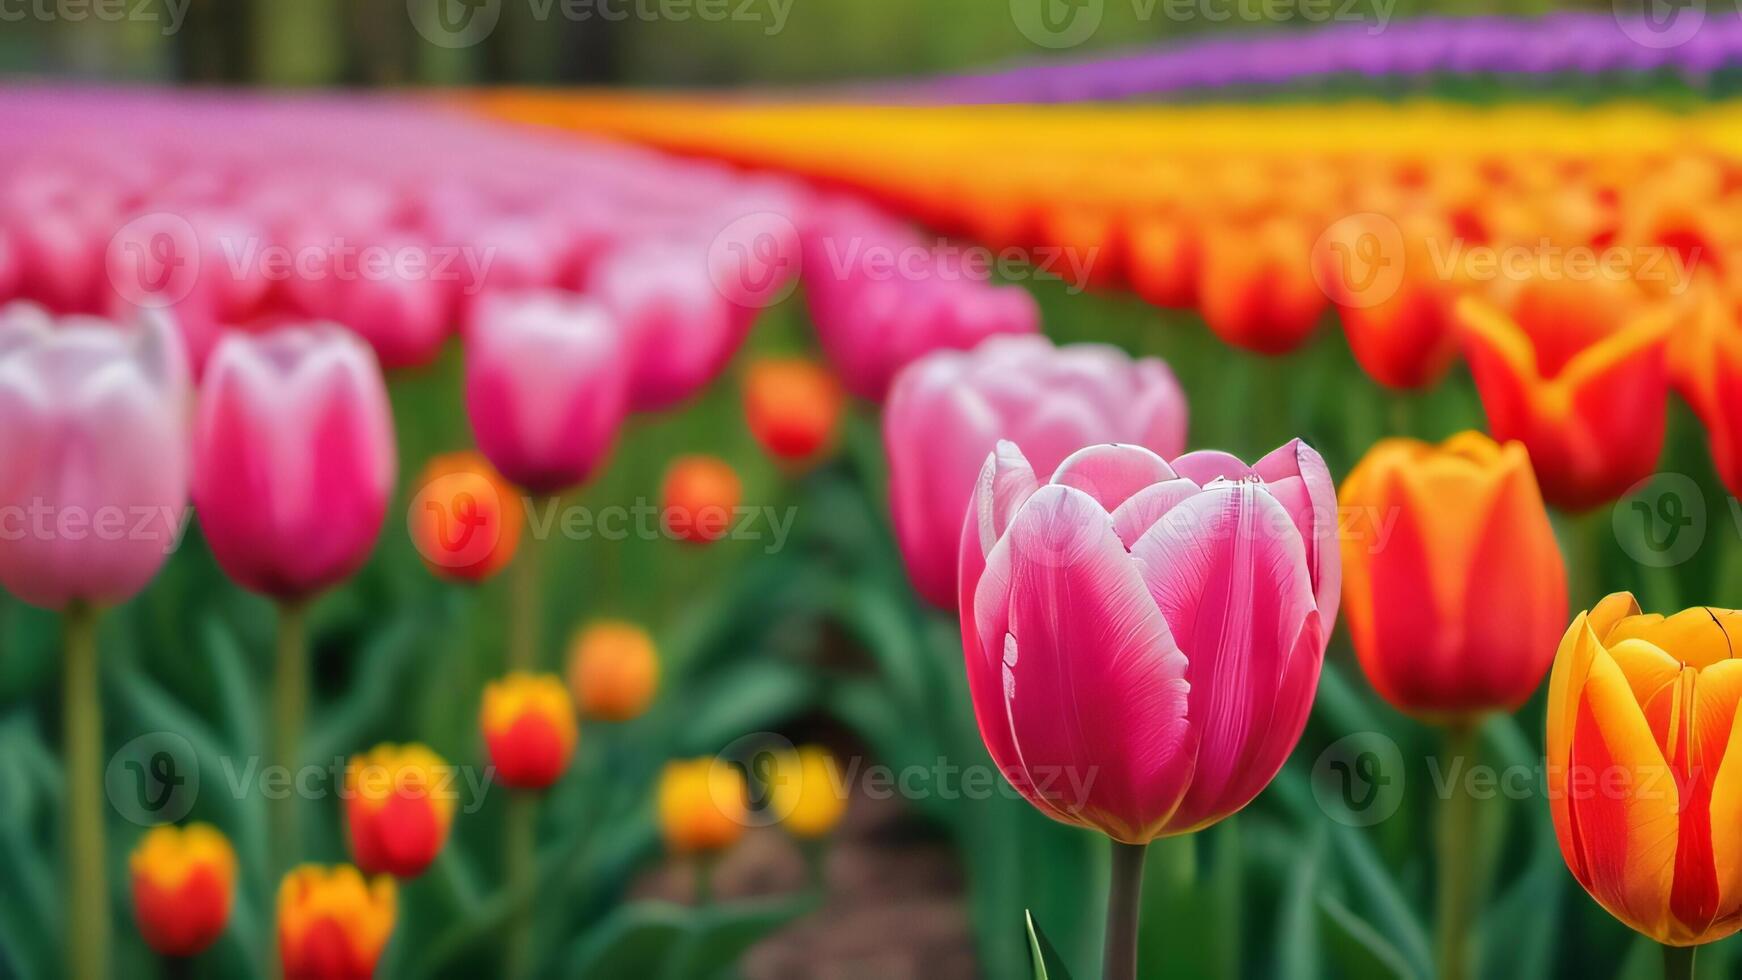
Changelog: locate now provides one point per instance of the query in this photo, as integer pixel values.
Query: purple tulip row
(1559, 43)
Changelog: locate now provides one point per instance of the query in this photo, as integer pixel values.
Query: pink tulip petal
(1137, 515)
(1006, 482)
(1111, 473)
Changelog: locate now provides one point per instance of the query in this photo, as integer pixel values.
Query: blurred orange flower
(332, 923)
(465, 519)
(699, 496)
(793, 406)
(613, 670)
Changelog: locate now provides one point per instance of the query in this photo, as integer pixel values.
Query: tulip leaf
(1384, 900)
(1047, 964)
(732, 702)
(1297, 930)
(663, 940)
(385, 663)
(238, 708)
(1376, 957)
(1521, 926)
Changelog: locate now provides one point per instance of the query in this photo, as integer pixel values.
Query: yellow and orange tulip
(530, 729)
(333, 923)
(184, 885)
(703, 805)
(399, 807)
(613, 671)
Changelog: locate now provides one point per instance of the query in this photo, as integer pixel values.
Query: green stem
(88, 927)
(524, 621)
(1678, 962)
(1124, 900)
(289, 707)
(705, 864)
(520, 838)
(1457, 855)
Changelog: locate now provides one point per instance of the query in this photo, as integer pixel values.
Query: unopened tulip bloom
(1453, 584)
(702, 805)
(1162, 256)
(1710, 374)
(1576, 371)
(94, 478)
(529, 728)
(949, 409)
(465, 520)
(93, 420)
(333, 923)
(806, 792)
(1158, 626)
(699, 497)
(793, 407)
(1643, 782)
(546, 387)
(1394, 302)
(184, 884)
(613, 670)
(1255, 285)
(682, 330)
(294, 458)
(399, 807)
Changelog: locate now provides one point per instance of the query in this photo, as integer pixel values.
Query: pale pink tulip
(681, 330)
(294, 458)
(947, 410)
(1142, 649)
(546, 387)
(94, 470)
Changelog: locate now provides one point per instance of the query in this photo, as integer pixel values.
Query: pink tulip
(1143, 650)
(94, 474)
(681, 328)
(294, 458)
(546, 387)
(947, 411)
(404, 306)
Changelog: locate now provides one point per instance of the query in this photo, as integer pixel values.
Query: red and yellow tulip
(399, 807)
(184, 884)
(530, 729)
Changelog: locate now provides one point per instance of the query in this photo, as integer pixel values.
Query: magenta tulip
(681, 328)
(1142, 647)
(546, 387)
(294, 458)
(948, 410)
(405, 309)
(94, 474)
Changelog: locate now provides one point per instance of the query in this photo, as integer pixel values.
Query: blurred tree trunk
(378, 43)
(215, 43)
(592, 52)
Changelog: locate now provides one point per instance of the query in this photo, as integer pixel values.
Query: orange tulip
(1162, 256)
(699, 496)
(466, 519)
(399, 807)
(1644, 771)
(793, 406)
(1453, 586)
(613, 671)
(333, 924)
(702, 805)
(1576, 371)
(1392, 297)
(184, 884)
(1256, 287)
(530, 729)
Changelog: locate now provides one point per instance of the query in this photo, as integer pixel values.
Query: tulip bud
(92, 421)
(530, 729)
(184, 883)
(1255, 285)
(1452, 580)
(1645, 801)
(793, 407)
(613, 671)
(702, 805)
(465, 520)
(806, 792)
(293, 458)
(399, 807)
(700, 495)
(332, 923)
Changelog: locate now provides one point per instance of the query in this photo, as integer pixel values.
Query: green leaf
(1047, 964)
(1376, 957)
(663, 940)
(1297, 931)
(1383, 899)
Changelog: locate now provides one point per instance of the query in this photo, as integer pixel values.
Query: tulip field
(1259, 505)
